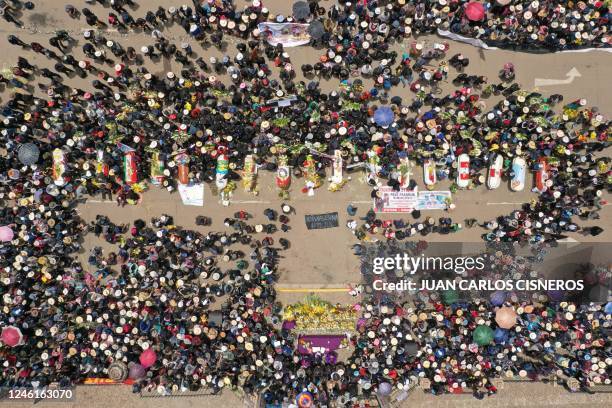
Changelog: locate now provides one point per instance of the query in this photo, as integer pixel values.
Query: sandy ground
(511, 396)
(594, 83)
(321, 258)
(317, 259)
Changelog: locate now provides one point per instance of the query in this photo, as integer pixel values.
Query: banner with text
(433, 200)
(391, 201)
(288, 34)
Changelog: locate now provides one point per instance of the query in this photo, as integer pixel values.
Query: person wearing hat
(270, 214)
(351, 210)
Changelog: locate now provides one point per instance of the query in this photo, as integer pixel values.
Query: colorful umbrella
(556, 295)
(6, 233)
(505, 317)
(118, 371)
(440, 352)
(136, 371)
(385, 388)
(474, 11)
(268, 397)
(304, 400)
(331, 358)
(498, 298)
(500, 335)
(28, 154)
(384, 116)
(301, 10)
(599, 293)
(316, 30)
(11, 336)
(450, 296)
(7, 73)
(411, 348)
(483, 335)
(148, 358)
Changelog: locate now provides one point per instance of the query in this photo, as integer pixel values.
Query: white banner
(288, 34)
(192, 194)
(433, 200)
(390, 201)
(472, 41)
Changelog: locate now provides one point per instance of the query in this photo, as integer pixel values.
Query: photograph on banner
(288, 34)
(391, 201)
(192, 194)
(434, 200)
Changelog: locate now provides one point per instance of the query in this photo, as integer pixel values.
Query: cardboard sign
(192, 194)
(319, 221)
(390, 201)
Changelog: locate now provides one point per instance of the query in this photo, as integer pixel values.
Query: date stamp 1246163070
(37, 394)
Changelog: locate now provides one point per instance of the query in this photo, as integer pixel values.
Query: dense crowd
(529, 25)
(175, 309)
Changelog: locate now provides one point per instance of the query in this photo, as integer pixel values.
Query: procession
(193, 197)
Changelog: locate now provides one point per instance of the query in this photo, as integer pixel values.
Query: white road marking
(523, 202)
(573, 73)
(311, 290)
(568, 240)
(100, 201)
(249, 202)
(507, 203)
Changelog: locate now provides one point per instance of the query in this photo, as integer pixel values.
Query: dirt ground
(317, 259)
(516, 395)
(321, 259)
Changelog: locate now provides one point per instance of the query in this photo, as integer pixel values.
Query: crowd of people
(174, 309)
(529, 25)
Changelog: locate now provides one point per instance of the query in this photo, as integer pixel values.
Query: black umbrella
(599, 293)
(396, 100)
(316, 30)
(301, 10)
(28, 153)
(411, 348)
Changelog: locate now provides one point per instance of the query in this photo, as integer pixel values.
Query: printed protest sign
(434, 200)
(391, 201)
(288, 34)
